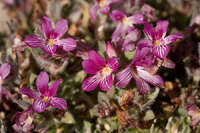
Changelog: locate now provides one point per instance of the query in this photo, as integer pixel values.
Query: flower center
(126, 22)
(46, 99)
(157, 42)
(106, 71)
(50, 42)
(102, 3)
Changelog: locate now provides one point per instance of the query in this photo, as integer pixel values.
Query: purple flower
(46, 94)
(156, 38)
(137, 69)
(101, 70)
(125, 24)
(51, 37)
(103, 6)
(24, 121)
(4, 72)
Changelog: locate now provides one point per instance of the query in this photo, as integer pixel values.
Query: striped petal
(106, 84)
(90, 83)
(68, 44)
(113, 64)
(143, 87)
(50, 49)
(123, 77)
(34, 41)
(173, 37)
(155, 80)
(40, 105)
(161, 51)
(59, 103)
(162, 27)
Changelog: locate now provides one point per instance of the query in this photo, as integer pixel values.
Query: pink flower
(46, 94)
(51, 41)
(125, 24)
(102, 72)
(156, 38)
(137, 69)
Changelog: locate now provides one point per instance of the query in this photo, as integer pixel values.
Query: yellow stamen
(46, 99)
(124, 20)
(50, 42)
(102, 2)
(157, 42)
(106, 69)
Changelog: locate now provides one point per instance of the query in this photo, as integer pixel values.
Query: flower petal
(144, 43)
(4, 70)
(90, 83)
(136, 19)
(152, 79)
(93, 12)
(50, 49)
(90, 67)
(117, 15)
(68, 44)
(140, 54)
(59, 103)
(143, 87)
(34, 41)
(113, 64)
(149, 31)
(46, 26)
(30, 93)
(96, 58)
(161, 28)
(54, 87)
(42, 82)
(168, 63)
(61, 27)
(123, 77)
(106, 84)
(161, 51)
(173, 37)
(40, 105)
(117, 33)
(110, 51)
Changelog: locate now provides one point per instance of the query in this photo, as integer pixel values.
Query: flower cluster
(143, 67)
(132, 33)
